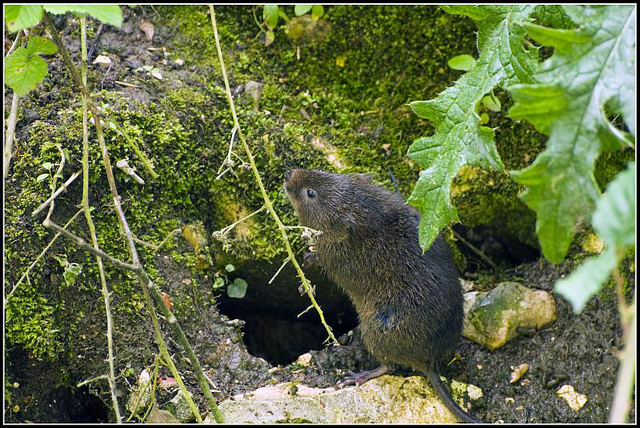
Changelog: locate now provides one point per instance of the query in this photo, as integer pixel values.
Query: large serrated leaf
(109, 14)
(41, 45)
(23, 72)
(24, 69)
(553, 16)
(614, 220)
(582, 75)
(19, 17)
(459, 138)
(586, 280)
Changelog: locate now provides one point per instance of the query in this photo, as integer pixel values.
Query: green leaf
(553, 16)
(269, 38)
(42, 177)
(587, 279)
(41, 45)
(317, 11)
(270, 15)
(540, 104)
(229, 268)
(492, 103)
(109, 14)
(459, 138)
(62, 260)
(614, 219)
(219, 283)
(462, 62)
(562, 40)
(71, 273)
(47, 165)
(19, 17)
(573, 84)
(237, 289)
(301, 9)
(23, 71)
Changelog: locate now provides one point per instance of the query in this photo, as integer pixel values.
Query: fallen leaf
(102, 60)
(148, 29)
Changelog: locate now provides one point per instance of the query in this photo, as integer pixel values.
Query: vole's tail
(444, 394)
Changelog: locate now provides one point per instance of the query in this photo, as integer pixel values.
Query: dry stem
(145, 281)
(267, 201)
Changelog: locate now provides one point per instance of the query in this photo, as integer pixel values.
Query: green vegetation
(557, 96)
(334, 95)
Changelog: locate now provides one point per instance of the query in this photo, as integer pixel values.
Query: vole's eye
(311, 193)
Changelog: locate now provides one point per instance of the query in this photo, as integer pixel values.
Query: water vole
(409, 303)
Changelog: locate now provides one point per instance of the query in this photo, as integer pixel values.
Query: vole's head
(325, 201)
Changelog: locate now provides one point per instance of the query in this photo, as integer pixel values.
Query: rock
(254, 89)
(387, 399)
(140, 396)
(304, 359)
(494, 318)
(575, 400)
(180, 408)
(158, 416)
(517, 372)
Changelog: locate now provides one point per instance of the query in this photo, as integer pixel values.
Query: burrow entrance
(272, 329)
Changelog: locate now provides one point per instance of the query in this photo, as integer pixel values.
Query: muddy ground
(577, 350)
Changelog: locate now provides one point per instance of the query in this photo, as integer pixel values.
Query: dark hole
(42, 401)
(272, 329)
(503, 251)
(67, 405)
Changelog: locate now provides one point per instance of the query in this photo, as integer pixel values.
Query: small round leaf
(237, 289)
(462, 62)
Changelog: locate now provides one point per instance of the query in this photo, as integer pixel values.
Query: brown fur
(409, 303)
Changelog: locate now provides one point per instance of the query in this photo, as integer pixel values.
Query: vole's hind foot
(360, 378)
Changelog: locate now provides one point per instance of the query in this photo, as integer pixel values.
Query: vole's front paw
(310, 258)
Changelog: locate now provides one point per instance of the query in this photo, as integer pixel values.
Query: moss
(610, 163)
(314, 112)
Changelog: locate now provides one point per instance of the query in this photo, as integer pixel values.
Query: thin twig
(55, 180)
(147, 285)
(254, 168)
(11, 127)
(143, 158)
(144, 243)
(624, 386)
(131, 85)
(227, 160)
(85, 246)
(55, 195)
(15, 43)
(92, 230)
(32, 265)
(281, 267)
(623, 308)
(93, 379)
(475, 249)
(156, 248)
(95, 42)
(169, 236)
(227, 229)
